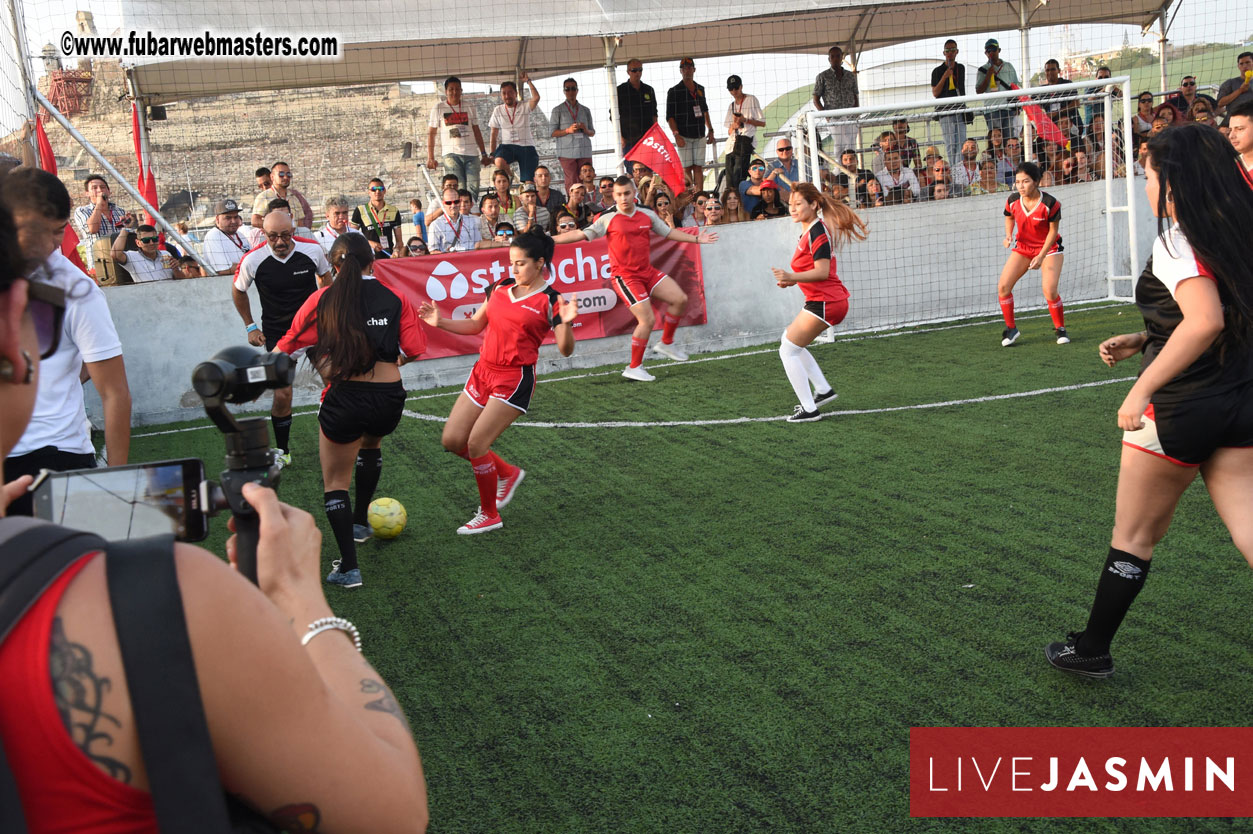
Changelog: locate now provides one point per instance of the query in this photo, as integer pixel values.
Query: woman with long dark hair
(826, 298)
(358, 333)
(1191, 409)
(1038, 245)
(519, 312)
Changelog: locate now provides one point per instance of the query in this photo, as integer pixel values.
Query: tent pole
(1161, 43)
(1024, 38)
(611, 90)
(23, 66)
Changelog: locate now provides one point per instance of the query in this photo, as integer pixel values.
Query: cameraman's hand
(289, 550)
(13, 490)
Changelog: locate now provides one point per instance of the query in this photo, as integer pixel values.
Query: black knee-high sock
(282, 431)
(369, 468)
(1121, 579)
(339, 513)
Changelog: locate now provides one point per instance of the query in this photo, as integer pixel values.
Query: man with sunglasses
(147, 262)
(687, 113)
(76, 333)
(996, 76)
(453, 231)
(380, 222)
(784, 169)
(637, 112)
(750, 189)
(282, 189)
(287, 270)
(1187, 96)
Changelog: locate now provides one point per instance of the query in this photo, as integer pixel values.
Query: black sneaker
(800, 415)
(1064, 656)
(1062, 338)
(822, 399)
(1008, 336)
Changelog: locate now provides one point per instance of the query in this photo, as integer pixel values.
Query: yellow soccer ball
(387, 517)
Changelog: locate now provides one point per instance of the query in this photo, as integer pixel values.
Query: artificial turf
(731, 626)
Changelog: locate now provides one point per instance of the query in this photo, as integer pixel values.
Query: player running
(630, 229)
(358, 333)
(1191, 409)
(826, 297)
(287, 270)
(517, 314)
(1038, 246)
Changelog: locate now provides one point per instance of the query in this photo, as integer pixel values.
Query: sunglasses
(637, 69)
(565, 226)
(785, 150)
(757, 168)
(273, 236)
(46, 304)
(452, 202)
(570, 89)
(283, 174)
(377, 188)
(148, 240)
(1188, 84)
(1146, 101)
(504, 233)
(417, 249)
(712, 207)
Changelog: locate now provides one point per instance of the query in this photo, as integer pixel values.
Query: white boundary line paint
(623, 424)
(738, 355)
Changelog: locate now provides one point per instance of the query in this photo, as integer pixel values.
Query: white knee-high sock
(794, 367)
(814, 372)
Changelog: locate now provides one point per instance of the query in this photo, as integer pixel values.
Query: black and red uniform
(356, 407)
(827, 299)
(1210, 404)
(516, 325)
(283, 283)
(1033, 226)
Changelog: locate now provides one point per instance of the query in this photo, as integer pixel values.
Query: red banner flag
(1044, 126)
(457, 284)
(48, 162)
(657, 153)
(146, 183)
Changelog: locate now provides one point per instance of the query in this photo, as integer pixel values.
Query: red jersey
(60, 788)
(630, 240)
(1033, 226)
(517, 325)
(815, 245)
(391, 323)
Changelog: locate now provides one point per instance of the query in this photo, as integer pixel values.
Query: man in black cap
(994, 77)
(744, 116)
(224, 246)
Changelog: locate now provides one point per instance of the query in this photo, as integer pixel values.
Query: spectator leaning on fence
(512, 139)
(573, 130)
(147, 262)
(458, 127)
(100, 217)
(224, 246)
(784, 169)
(453, 232)
(899, 183)
(744, 116)
(531, 216)
(687, 113)
(948, 80)
(966, 168)
(637, 112)
(996, 76)
(835, 88)
(750, 189)
(1187, 96)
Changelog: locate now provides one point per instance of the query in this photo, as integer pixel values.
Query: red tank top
(61, 789)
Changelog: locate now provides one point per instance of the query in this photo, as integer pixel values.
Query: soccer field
(700, 618)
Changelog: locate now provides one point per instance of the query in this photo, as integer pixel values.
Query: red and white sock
(669, 323)
(1007, 310)
(1055, 310)
(485, 477)
(637, 351)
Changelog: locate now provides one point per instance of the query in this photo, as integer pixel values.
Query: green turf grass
(725, 628)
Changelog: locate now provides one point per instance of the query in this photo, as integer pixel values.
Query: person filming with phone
(295, 724)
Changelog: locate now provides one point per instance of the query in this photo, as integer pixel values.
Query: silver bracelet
(332, 624)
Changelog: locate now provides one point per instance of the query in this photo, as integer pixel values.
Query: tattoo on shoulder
(78, 693)
(301, 818)
(386, 703)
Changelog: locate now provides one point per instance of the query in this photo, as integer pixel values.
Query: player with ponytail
(826, 298)
(358, 333)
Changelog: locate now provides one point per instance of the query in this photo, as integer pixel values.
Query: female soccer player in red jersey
(1038, 246)
(358, 333)
(826, 298)
(1191, 409)
(517, 315)
(630, 228)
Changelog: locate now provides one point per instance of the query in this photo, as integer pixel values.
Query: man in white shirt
(223, 244)
(148, 262)
(966, 169)
(454, 232)
(744, 116)
(897, 180)
(512, 140)
(58, 436)
(458, 129)
(337, 212)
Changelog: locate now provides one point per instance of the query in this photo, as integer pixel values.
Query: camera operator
(307, 734)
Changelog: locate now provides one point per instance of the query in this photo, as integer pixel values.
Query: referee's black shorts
(352, 409)
(1189, 432)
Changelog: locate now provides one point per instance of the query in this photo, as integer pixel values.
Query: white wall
(922, 261)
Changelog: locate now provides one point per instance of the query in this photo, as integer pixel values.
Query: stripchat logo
(446, 281)
(650, 142)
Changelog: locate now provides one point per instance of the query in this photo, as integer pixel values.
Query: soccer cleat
(361, 533)
(822, 399)
(638, 374)
(800, 415)
(1062, 338)
(481, 523)
(1066, 657)
(505, 487)
(670, 351)
(1009, 336)
(348, 579)
(283, 459)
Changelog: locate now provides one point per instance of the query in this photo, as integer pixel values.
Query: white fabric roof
(394, 40)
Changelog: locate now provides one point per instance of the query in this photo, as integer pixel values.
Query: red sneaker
(481, 523)
(505, 487)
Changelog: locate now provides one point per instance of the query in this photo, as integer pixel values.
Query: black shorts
(351, 409)
(275, 331)
(832, 312)
(46, 457)
(1188, 433)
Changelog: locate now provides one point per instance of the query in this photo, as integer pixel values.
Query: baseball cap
(529, 186)
(225, 206)
(757, 160)
(734, 83)
(769, 184)
(992, 43)
(931, 151)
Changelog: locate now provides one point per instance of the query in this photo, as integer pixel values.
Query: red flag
(657, 153)
(146, 184)
(48, 162)
(1044, 126)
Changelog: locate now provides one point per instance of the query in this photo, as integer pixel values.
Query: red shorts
(831, 312)
(514, 384)
(1028, 252)
(635, 290)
